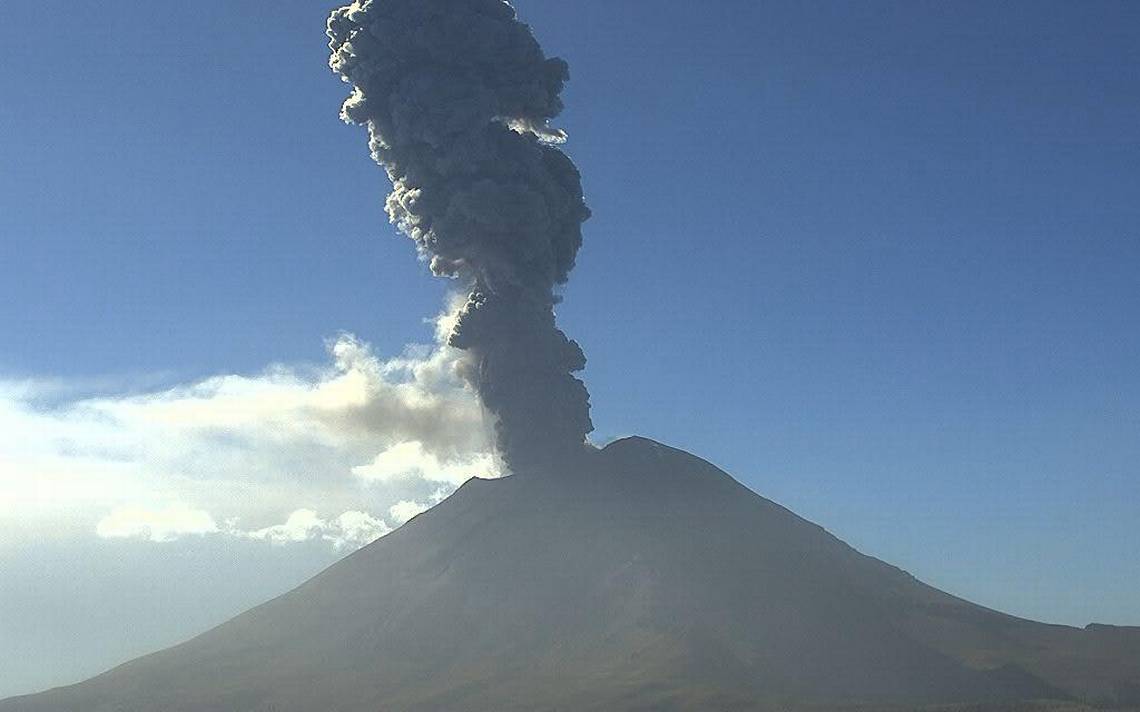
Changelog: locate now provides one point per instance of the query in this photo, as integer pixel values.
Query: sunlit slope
(648, 580)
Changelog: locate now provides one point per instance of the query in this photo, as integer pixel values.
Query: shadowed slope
(650, 580)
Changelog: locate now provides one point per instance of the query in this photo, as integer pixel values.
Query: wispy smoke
(457, 96)
(294, 453)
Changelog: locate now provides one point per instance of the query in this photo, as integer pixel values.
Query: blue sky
(877, 260)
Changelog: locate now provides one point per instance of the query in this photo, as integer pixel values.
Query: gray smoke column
(457, 96)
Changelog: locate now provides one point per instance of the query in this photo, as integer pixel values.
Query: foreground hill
(648, 580)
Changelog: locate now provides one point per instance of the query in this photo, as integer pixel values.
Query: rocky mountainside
(647, 580)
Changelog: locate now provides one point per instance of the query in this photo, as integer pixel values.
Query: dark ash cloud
(457, 96)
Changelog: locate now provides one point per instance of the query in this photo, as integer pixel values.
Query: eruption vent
(457, 96)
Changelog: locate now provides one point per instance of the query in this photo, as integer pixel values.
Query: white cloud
(357, 529)
(405, 509)
(409, 460)
(161, 524)
(348, 531)
(358, 435)
(302, 525)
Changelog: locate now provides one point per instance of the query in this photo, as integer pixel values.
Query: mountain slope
(649, 580)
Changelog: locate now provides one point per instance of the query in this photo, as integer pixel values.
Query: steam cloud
(457, 96)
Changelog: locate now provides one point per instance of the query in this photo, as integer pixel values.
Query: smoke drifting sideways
(457, 96)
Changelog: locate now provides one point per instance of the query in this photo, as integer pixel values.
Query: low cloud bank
(343, 452)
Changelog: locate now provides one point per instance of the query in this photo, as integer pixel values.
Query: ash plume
(457, 97)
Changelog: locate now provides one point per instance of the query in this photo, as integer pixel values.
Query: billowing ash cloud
(457, 96)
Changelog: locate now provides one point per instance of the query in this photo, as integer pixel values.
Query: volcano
(648, 580)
